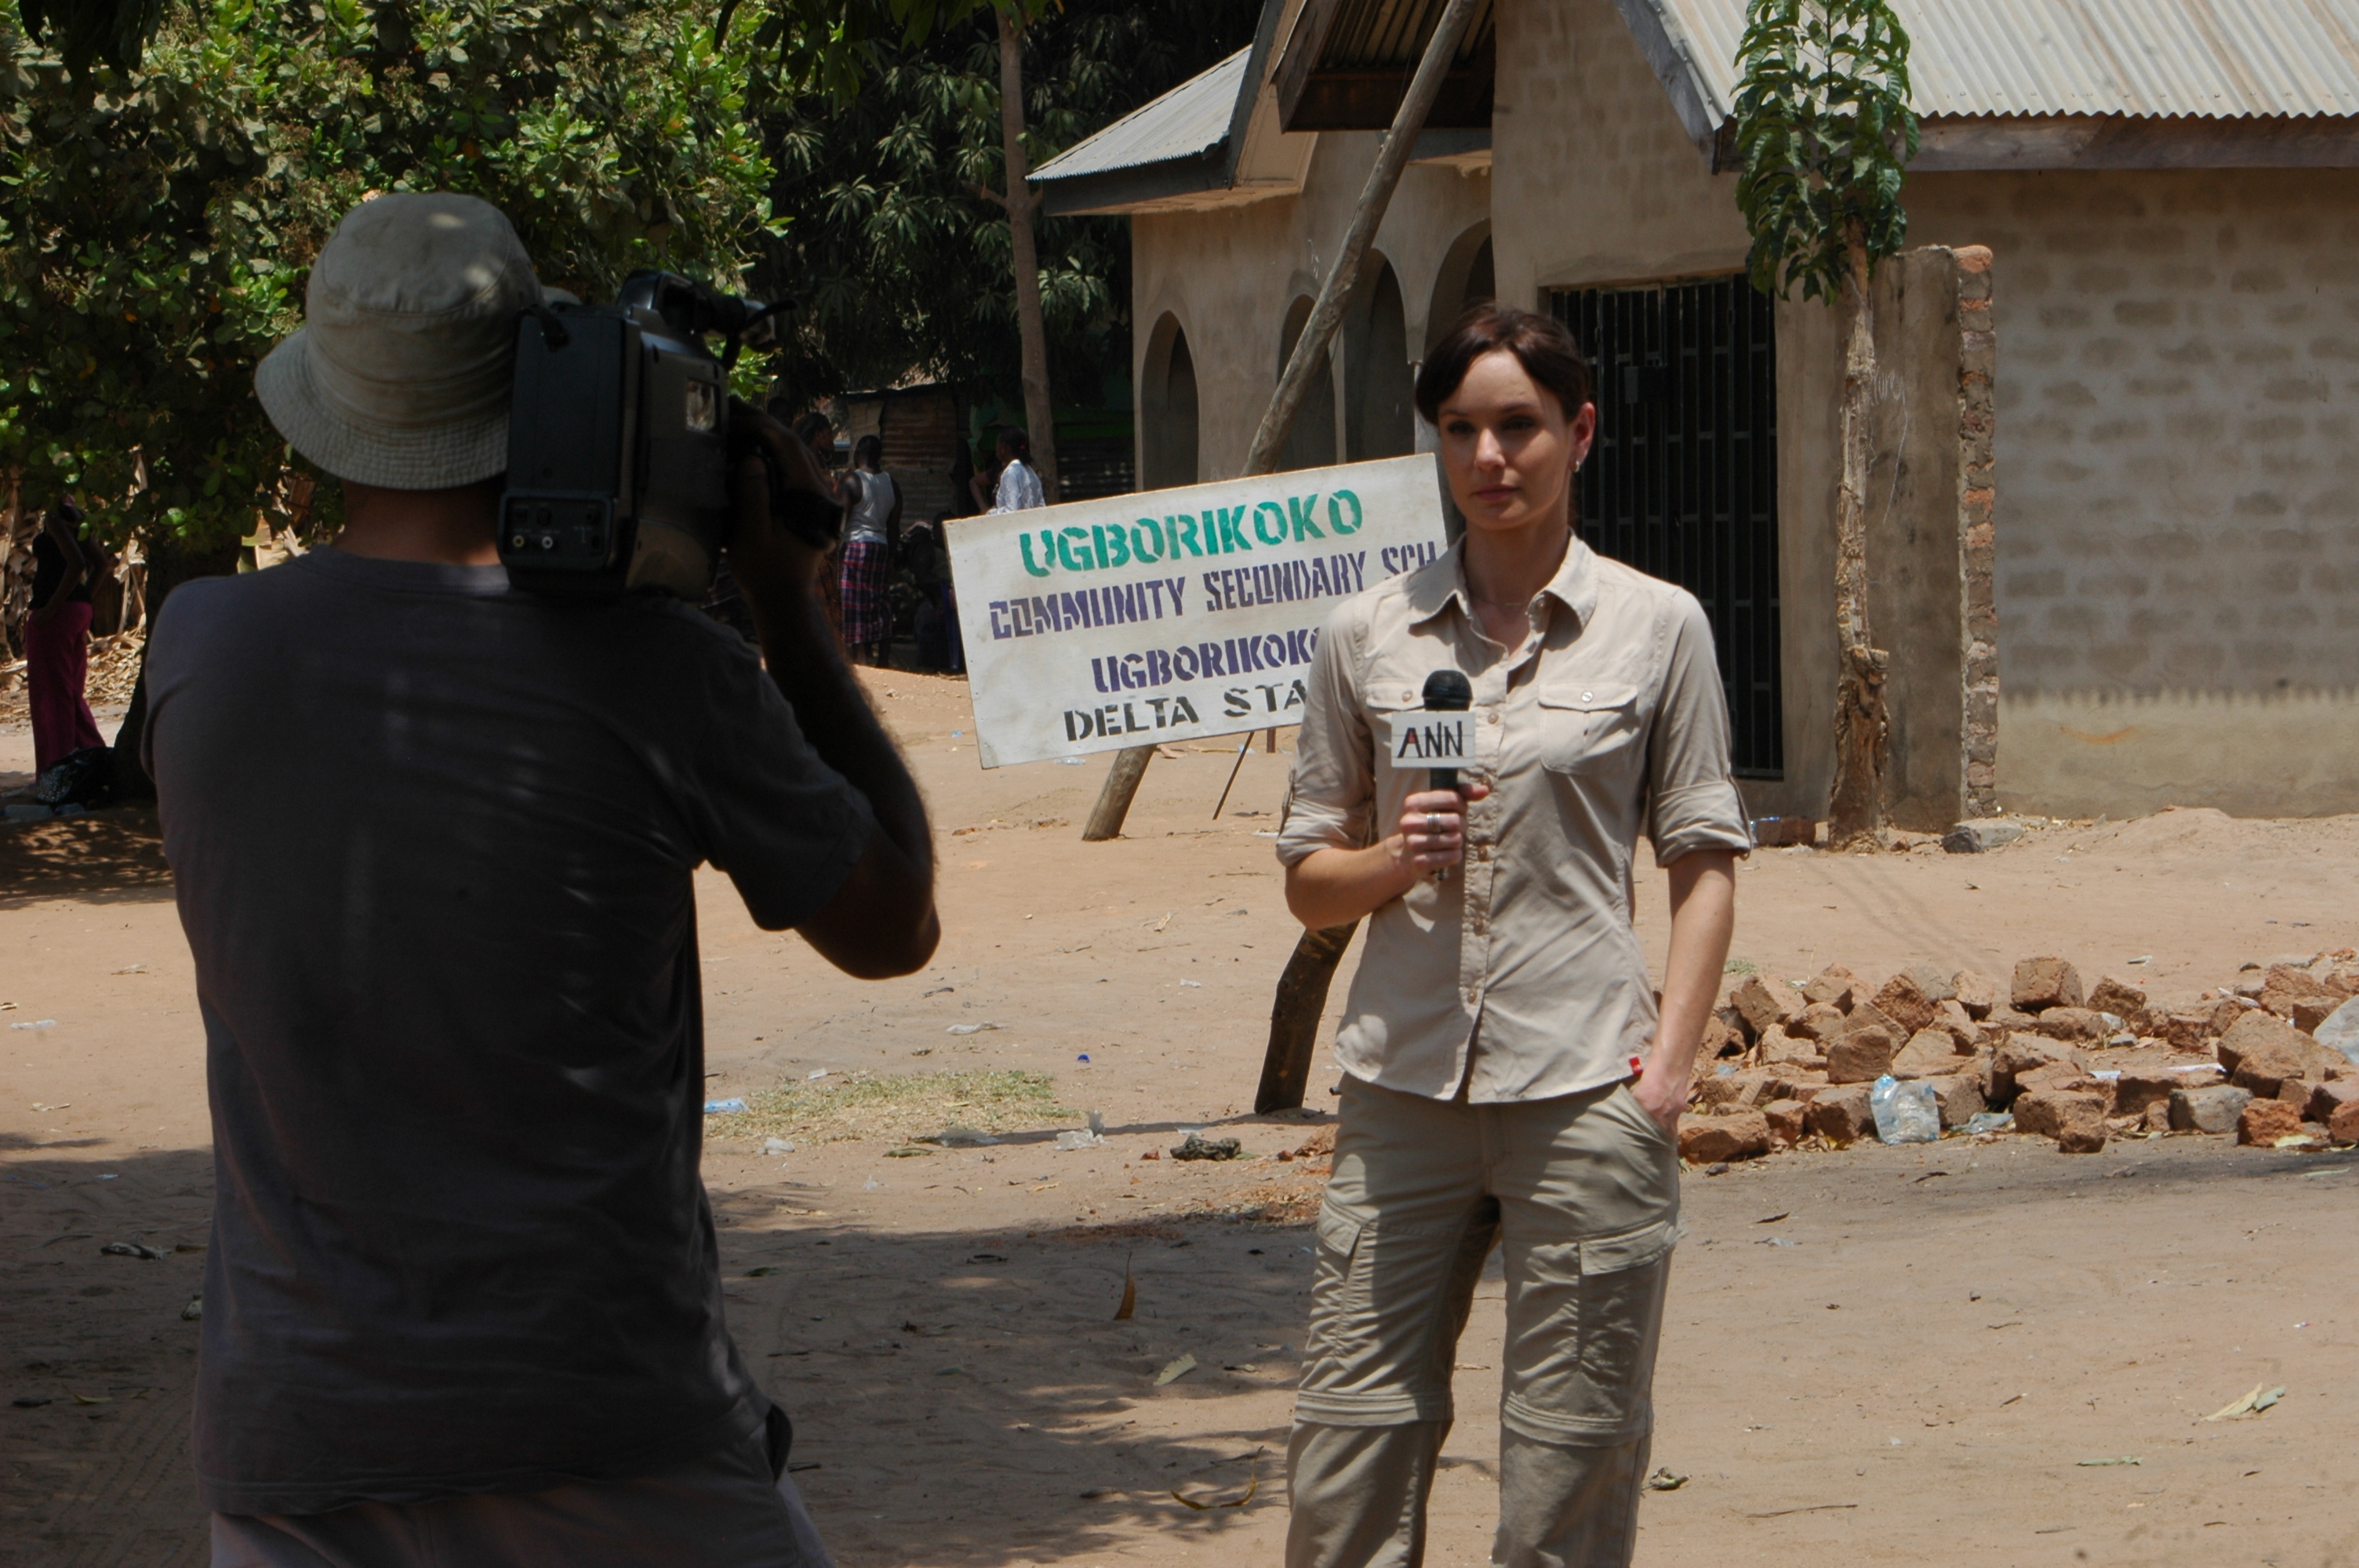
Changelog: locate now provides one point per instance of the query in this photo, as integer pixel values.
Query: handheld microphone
(1447, 691)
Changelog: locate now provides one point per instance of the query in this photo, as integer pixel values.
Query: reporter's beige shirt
(1609, 722)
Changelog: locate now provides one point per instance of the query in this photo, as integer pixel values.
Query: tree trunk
(1855, 806)
(1040, 414)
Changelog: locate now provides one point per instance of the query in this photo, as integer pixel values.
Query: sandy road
(940, 1324)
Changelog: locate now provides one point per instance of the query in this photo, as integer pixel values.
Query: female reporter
(1509, 1078)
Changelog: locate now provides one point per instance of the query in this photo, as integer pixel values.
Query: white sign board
(1174, 614)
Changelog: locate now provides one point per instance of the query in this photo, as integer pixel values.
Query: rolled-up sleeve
(1332, 795)
(1692, 800)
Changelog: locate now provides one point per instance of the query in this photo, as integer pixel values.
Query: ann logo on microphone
(1424, 739)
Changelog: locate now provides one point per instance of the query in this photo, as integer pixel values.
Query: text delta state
(1113, 719)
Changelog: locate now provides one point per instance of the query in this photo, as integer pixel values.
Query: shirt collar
(1434, 587)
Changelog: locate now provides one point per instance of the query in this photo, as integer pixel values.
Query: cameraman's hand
(767, 557)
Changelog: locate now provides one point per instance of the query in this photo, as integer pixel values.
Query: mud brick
(1929, 1053)
(2080, 1023)
(2290, 1054)
(1777, 1046)
(1787, 1124)
(2310, 1011)
(2188, 1029)
(1835, 986)
(1867, 1015)
(1731, 1088)
(2042, 983)
(2062, 1077)
(1960, 1097)
(2343, 1124)
(1766, 1001)
(2016, 1055)
(2119, 998)
(2143, 1085)
(1841, 1114)
(2075, 1119)
(1861, 1056)
(1903, 1001)
(1977, 993)
(2263, 1121)
(1821, 1021)
(2211, 1109)
(1740, 1135)
(2325, 1099)
(1951, 1016)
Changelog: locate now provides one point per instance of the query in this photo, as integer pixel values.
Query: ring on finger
(1432, 825)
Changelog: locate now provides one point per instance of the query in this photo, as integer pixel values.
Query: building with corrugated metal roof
(2115, 535)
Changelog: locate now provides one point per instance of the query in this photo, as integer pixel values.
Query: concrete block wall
(2178, 534)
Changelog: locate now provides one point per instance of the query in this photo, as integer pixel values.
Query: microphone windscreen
(1449, 691)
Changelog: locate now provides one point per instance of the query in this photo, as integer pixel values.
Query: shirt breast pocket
(1587, 731)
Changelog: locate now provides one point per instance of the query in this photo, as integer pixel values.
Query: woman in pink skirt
(57, 641)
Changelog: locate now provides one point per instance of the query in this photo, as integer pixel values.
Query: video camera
(619, 442)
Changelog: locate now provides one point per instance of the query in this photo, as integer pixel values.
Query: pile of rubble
(2273, 1058)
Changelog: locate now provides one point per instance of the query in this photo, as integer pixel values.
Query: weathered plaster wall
(1593, 181)
(2175, 524)
(1229, 274)
(2177, 505)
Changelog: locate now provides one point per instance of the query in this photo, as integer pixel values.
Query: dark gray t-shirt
(432, 842)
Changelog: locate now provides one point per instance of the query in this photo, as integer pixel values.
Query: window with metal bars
(1682, 483)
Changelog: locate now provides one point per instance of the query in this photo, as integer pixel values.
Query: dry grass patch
(896, 1108)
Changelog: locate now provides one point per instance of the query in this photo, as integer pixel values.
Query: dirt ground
(1899, 1355)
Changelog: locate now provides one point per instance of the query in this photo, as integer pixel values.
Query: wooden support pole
(1301, 997)
(1294, 1015)
(1114, 800)
(1309, 354)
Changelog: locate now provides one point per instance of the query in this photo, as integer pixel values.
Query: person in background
(817, 432)
(1019, 488)
(980, 484)
(872, 530)
(57, 638)
(927, 550)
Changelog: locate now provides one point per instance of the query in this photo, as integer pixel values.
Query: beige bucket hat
(401, 373)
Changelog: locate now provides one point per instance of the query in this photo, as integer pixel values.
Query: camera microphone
(1447, 691)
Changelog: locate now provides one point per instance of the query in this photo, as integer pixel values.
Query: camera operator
(433, 842)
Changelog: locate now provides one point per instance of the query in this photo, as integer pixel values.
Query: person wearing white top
(1019, 487)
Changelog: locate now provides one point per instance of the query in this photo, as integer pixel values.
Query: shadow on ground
(958, 1397)
(113, 855)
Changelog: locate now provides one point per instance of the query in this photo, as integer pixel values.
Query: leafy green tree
(892, 240)
(1824, 131)
(156, 225)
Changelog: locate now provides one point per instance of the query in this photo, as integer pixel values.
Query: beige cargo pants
(1583, 1194)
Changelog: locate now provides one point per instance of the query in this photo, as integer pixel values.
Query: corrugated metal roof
(1189, 120)
(2223, 59)
(1381, 35)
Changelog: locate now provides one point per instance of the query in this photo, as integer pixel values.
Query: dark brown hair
(1540, 343)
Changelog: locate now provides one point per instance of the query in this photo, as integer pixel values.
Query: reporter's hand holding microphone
(1432, 837)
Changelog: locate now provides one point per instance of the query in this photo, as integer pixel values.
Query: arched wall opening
(1378, 421)
(1311, 443)
(1166, 410)
(1465, 277)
